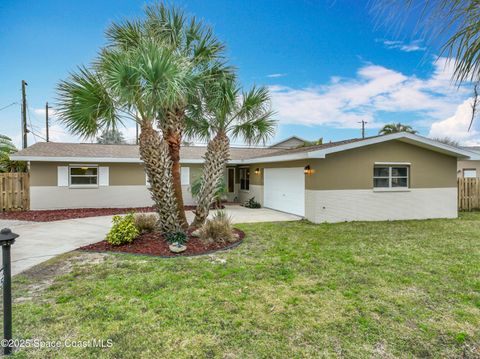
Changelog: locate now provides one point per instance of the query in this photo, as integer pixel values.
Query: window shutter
(185, 175)
(103, 174)
(62, 176)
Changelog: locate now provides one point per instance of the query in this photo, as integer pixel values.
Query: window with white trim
(391, 176)
(469, 173)
(244, 179)
(83, 176)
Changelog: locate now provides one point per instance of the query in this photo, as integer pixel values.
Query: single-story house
(470, 168)
(390, 177)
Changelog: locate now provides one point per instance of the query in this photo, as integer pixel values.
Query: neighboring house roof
(78, 152)
(476, 150)
(290, 142)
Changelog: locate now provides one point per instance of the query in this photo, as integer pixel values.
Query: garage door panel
(284, 189)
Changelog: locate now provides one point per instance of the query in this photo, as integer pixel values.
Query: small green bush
(146, 222)
(217, 229)
(251, 203)
(123, 230)
(176, 237)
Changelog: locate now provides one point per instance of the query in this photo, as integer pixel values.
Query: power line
(30, 121)
(5, 107)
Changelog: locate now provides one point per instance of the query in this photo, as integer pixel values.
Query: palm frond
(84, 104)
(453, 25)
(124, 35)
(256, 130)
(6, 145)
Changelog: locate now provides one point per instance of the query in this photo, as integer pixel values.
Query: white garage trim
(284, 189)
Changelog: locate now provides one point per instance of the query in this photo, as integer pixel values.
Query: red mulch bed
(59, 214)
(154, 244)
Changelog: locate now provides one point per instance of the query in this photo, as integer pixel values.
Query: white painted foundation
(368, 205)
(53, 197)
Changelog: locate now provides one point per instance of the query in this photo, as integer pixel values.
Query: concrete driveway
(40, 241)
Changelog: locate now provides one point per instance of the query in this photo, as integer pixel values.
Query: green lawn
(398, 289)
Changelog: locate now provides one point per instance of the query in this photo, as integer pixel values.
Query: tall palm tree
(227, 112)
(149, 71)
(396, 127)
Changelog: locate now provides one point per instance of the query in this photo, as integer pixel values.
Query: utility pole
(24, 115)
(363, 127)
(46, 121)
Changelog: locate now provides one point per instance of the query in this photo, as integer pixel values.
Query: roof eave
(401, 136)
(99, 159)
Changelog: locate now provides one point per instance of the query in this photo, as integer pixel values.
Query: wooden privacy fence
(14, 191)
(468, 193)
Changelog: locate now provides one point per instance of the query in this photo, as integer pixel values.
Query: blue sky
(327, 63)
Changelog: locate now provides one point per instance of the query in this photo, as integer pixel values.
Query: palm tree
(227, 112)
(149, 71)
(396, 127)
(6, 149)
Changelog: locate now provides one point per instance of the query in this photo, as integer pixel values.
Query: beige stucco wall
(120, 174)
(353, 169)
(461, 165)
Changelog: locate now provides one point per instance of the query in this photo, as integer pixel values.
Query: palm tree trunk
(174, 140)
(154, 152)
(216, 158)
(172, 127)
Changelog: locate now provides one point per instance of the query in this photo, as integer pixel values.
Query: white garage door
(284, 189)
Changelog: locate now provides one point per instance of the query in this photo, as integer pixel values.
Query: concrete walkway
(40, 241)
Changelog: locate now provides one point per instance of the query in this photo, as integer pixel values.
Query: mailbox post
(7, 238)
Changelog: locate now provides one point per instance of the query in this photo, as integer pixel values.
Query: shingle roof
(93, 150)
(314, 147)
(55, 151)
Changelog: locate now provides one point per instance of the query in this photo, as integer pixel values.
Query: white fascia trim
(434, 145)
(292, 157)
(75, 159)
(100, 159)
(406, 137)
(394, 163)
(440, 147)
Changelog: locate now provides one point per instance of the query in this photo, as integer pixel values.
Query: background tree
(111, 136)
(6, 149)
(227, 111)
(396, 127)
(447, 140)
(313, 143)
(149, 71)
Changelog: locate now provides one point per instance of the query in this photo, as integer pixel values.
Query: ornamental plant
(179, 237)
(123, 230)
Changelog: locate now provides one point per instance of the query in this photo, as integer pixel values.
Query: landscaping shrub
(123, 230)
(218, 229)
(146, 222)
(176, 237)
(251, 203)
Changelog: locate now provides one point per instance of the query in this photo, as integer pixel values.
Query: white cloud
(456, 126)
(343, 102)
(414, 45)
(276, 75)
